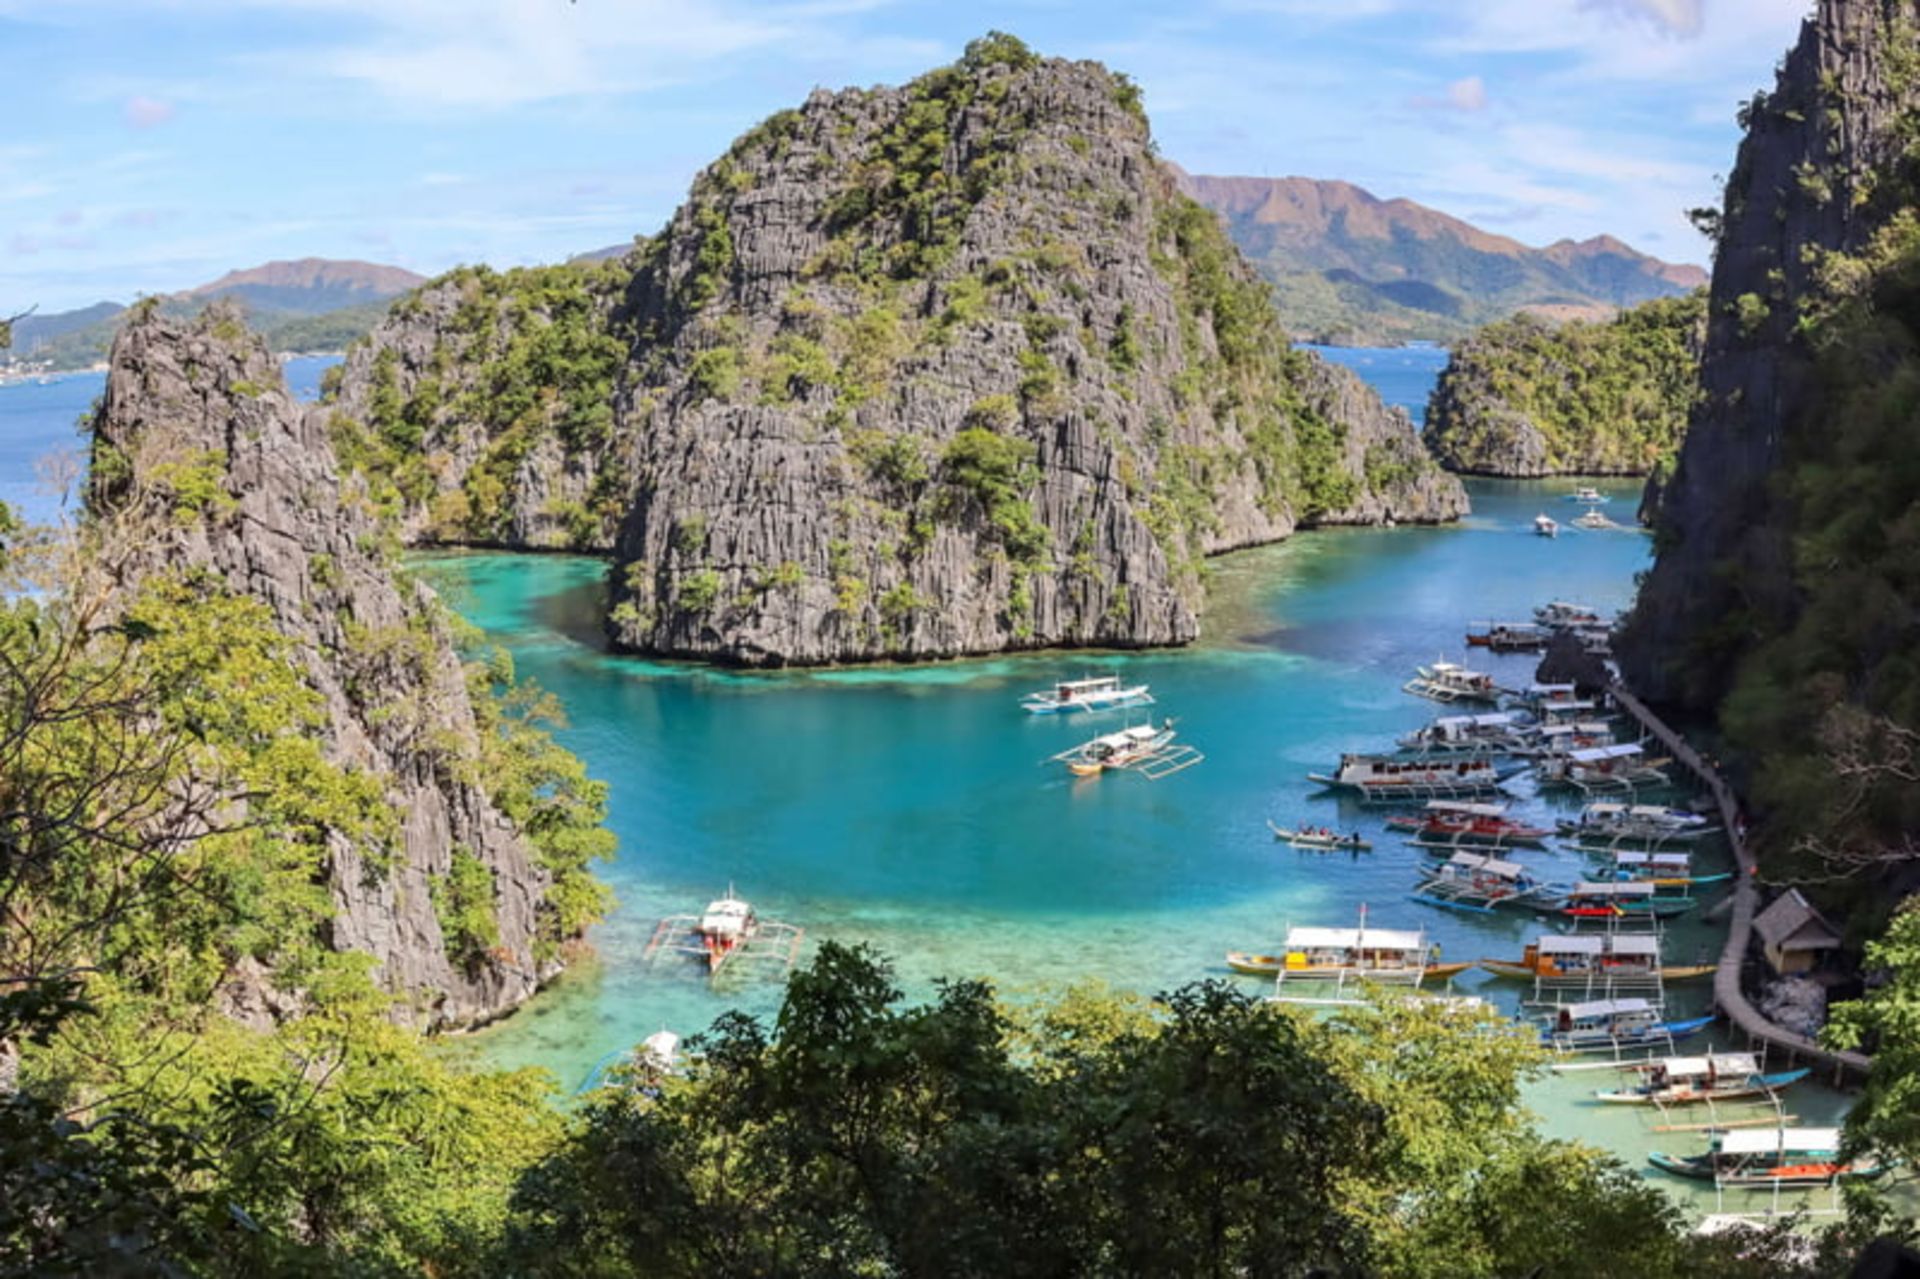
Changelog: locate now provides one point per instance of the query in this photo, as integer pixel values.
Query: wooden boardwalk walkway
(1727, 992)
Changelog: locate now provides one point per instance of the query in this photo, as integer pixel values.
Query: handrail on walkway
(1727, 991)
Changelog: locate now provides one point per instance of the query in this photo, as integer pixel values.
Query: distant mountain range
(312, 304)
(1352, 268)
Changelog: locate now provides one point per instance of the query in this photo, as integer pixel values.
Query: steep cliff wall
(948, 368)
(204, 464)
(1525, 398)
(1809, 189)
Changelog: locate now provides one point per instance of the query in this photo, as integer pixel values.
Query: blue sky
(158, 143)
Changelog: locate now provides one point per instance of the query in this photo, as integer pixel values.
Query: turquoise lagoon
(909, 808)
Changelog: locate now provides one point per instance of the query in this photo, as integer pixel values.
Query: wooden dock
(1727, 992)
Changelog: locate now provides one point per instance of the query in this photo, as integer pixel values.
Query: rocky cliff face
(200, 450)
(943, 369)
(1806, 196)
(1525, 398)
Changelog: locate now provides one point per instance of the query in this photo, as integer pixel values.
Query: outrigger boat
(1545, 525)
(1509, 637)
(1594, 520)
(1586, 493)
(726, 930)
(1608, 1024)
(1564, 614)
(1493, 733)
(1539, 696)
(1662, 870)
(1096, 693)
(1612, 899)
(1452, 682)
(1143, 749)
(1622, 766)
(1772, 1157)
(1563, 959)
(1609, 823)
(1563, 738)
(1478, 883)
(1322, 838)
(1447, 824)
(1681, 1081)
(1381, 778)
(1385, 955)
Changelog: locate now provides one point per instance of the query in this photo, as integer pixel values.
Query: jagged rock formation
(1806, 196)
(915, 372)
(203, 462)
(1523, 398)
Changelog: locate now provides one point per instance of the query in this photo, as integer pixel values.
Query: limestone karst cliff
(1818, 174)
(203, 464)
(1781, 602)
(915, 372)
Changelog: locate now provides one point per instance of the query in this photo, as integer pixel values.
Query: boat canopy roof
(1492, 719)
(1769, 1141)
(1599, 754)
(1660, 812)
(1605, 810)
(1569, 704)
(1613, 888)
(1355, 939)
(1714, 1063)
(1661, 861)
(726, 915)
(1549, 690)
(1633, 944)
(1134, 736)
(1466, 808)
(1087, 684)
(1606, 1008)
(1487, 865)
(1572, 944)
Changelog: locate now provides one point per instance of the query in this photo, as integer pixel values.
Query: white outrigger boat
(1451, 682)
(1562, 737)
(1144, 749)
(1545, 525)
(1609, 823)
(1586, 493)
(1712, 1077)
(1385, 779)
(1095, 693)
(1604, 1025)
(1494, 733)
(727, 930)
(1622, 766)
(1479, 883)
(1593, 519)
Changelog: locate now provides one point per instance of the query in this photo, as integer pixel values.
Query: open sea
(911, 808)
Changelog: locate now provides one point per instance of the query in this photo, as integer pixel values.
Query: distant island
(300, 306)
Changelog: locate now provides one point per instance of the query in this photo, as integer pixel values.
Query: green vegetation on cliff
(1523, 397)
(1826, 703)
